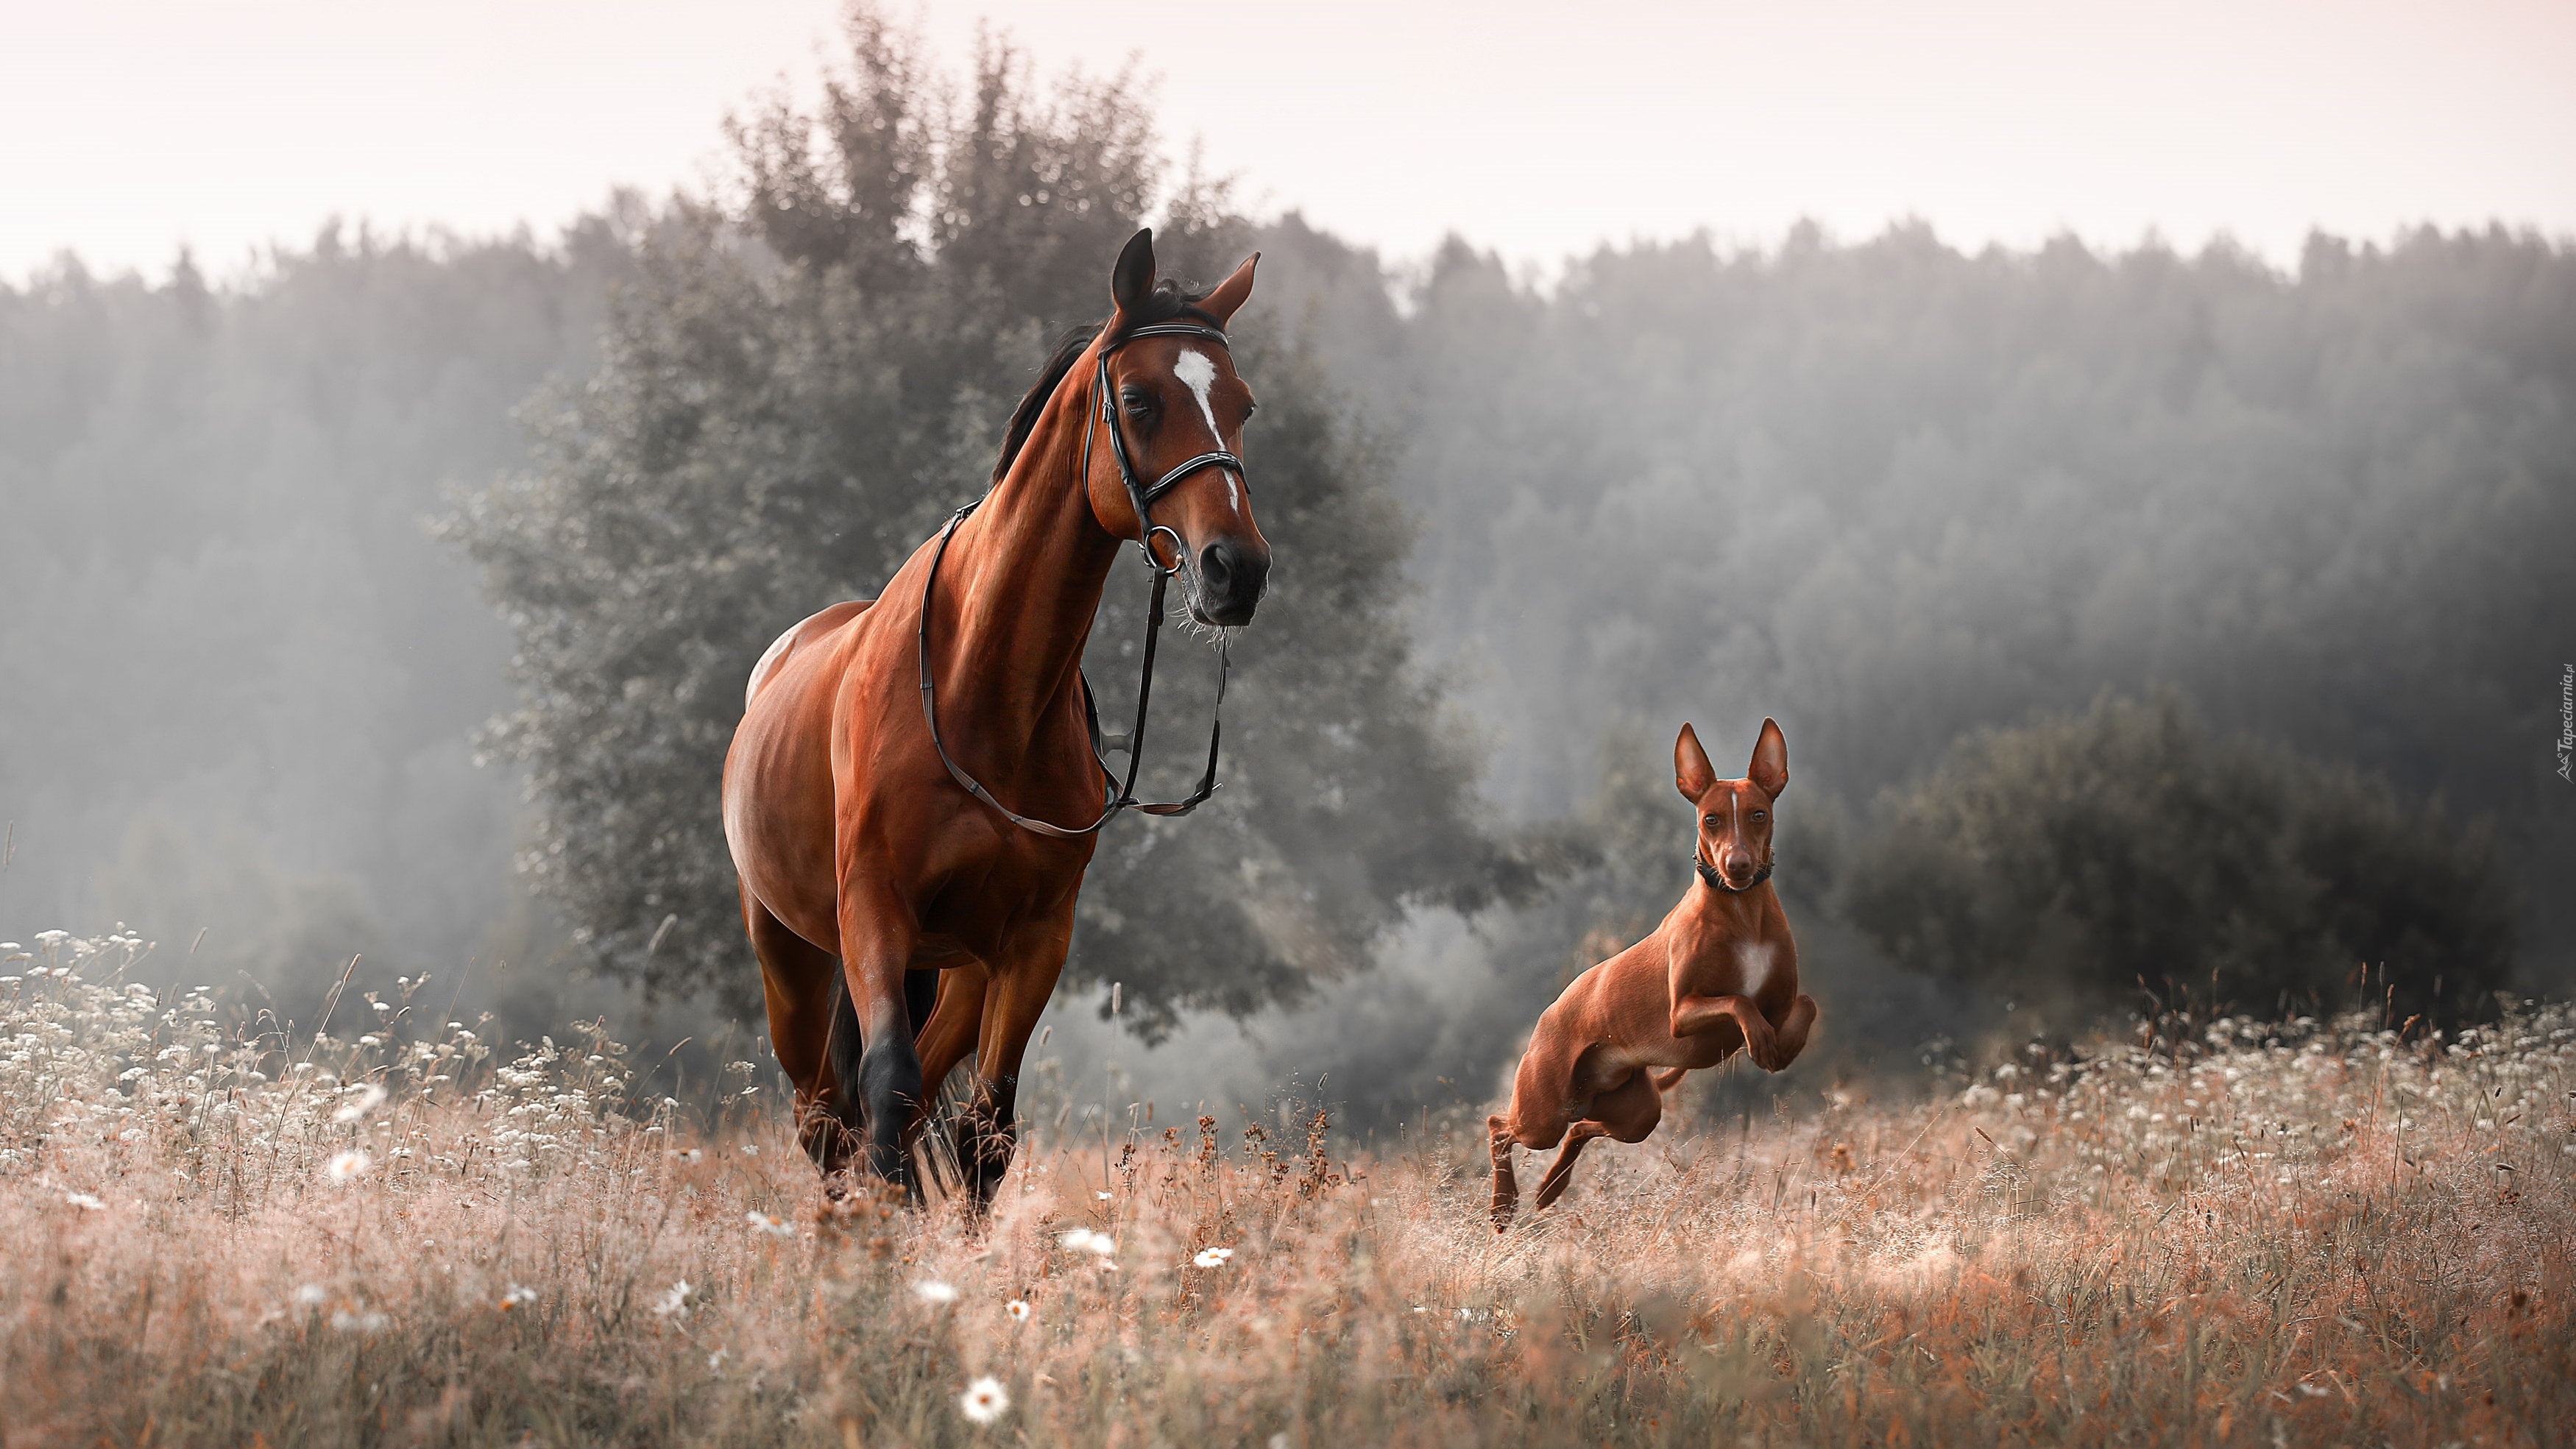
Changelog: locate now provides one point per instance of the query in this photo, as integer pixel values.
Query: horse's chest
(980, 910)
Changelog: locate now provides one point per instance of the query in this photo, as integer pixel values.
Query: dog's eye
(1757, 814)
(1713, 823)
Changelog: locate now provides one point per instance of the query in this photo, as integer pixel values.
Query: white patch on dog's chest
(1753, 959)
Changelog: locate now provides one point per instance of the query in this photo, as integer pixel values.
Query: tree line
(1925, 506)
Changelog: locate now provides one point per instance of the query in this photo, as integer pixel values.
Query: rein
(1716, 882)
(1117, 796)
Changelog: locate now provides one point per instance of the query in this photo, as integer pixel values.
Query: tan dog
(1719, 974)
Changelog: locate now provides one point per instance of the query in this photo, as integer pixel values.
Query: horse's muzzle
(1231, 578)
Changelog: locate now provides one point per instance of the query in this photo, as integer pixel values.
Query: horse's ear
(1230, 293)
(1769, 771)
(1692, 773)
(1133, 277)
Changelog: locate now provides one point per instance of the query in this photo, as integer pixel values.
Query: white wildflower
(985, 1400)
(1017, 1310)
(348, 1167)
(368, 1099)
(517, 1297)
(1084, 1240)
(1212, 1257)
(311, 1295)
(776, 1227)
(934, 1292)
(673, 1302)
(86, 1202)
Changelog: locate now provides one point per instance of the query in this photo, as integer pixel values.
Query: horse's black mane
(1167, 301)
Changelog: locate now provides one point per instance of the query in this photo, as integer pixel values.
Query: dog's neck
(1710, 915)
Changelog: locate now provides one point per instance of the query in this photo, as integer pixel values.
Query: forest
(2141, 622)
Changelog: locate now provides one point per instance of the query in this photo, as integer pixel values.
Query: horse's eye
(1139, 403)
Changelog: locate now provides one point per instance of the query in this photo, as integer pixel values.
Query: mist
(1883, 490)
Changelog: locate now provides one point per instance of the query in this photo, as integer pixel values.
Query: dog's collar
(1716, 882)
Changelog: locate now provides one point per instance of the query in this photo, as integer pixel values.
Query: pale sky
(130, 127)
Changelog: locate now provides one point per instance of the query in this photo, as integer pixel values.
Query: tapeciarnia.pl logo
(2567, 722)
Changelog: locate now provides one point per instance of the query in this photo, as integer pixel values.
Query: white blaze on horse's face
(1197, 372)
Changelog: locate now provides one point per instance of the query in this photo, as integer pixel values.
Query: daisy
(1212, 1257)
(985, 1400)
(776, 1227)
(86, 1202)
(1084, 1240)
(517, 1297)
(934, 1292)
(348, 1167)
(673, 1302)
(1017, 1310)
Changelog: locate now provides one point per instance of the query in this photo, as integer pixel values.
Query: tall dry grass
(2258, 1234)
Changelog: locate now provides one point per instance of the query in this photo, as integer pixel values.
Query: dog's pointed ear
(1230, 293)
(1692, 773)
(1133, 278)
(1769, 771)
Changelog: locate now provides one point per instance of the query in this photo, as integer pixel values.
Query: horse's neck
(1029, 569)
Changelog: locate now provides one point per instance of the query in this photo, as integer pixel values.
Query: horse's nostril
(1216, 569)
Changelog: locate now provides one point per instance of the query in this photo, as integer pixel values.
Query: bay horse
(1718, 976)
(916, 786)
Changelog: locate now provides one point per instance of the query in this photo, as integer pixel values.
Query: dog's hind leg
(1668, 1078)
(1561, 1172)
(1507, 1189)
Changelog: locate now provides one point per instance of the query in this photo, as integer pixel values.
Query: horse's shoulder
(805, 631)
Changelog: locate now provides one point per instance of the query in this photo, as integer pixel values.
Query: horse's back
(800, 635)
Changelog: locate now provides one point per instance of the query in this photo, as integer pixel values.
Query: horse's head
(1175, 401)
(1735, 816)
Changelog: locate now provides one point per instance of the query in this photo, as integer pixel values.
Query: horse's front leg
(877, 936)
(1015, 996)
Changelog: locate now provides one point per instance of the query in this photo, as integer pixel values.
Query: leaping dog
(1720, 973)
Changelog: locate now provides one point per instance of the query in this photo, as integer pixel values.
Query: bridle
(1118, 796)
(1717, 882)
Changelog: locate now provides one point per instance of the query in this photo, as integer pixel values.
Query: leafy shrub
(2082, 855)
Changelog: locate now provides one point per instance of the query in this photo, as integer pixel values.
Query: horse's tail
(843, 1049)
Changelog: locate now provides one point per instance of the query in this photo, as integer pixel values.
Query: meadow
(2216, 1231)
